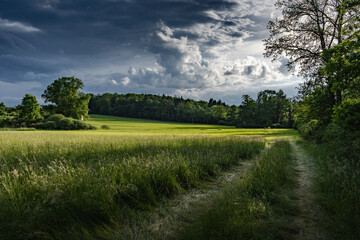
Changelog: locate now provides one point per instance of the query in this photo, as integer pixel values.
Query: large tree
(29, 110)
(343, 67)
(305, 31)
(64, 94)
(308, 27)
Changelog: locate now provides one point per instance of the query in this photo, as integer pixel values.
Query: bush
(347, 114)
(82, 125)
(49, 125)
(6, 122)
(311, 130)
(55, 118)
(66, 124)
(105, 127)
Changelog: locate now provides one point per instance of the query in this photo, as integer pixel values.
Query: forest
(270, 109)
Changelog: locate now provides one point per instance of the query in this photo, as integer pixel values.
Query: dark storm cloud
(79, 29)
(171, 46)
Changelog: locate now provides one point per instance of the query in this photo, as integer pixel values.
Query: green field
(56, 184)
(131, 126)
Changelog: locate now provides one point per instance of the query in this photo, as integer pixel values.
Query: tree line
(270, 109)
(69, 106)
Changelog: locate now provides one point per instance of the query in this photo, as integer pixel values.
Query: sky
(197, 49)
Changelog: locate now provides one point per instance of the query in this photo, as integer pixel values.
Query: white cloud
(191, 63)
(114, 82)
(125, 81)
(17, 26)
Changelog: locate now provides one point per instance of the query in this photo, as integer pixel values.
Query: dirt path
(171, 215)
(309, 219)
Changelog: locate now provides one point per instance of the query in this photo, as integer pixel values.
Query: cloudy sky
(192, 48)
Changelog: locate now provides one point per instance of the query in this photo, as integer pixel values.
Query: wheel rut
(310, 216)
(170, 216)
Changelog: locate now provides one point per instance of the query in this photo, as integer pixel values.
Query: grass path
(310, 219)
(170, 216)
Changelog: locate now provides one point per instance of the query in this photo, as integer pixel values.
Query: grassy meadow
(131, 126)
(259, 205)
(57, 184)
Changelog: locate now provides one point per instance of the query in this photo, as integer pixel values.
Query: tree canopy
(270, 109)
(29, 109)
(63, 92)
(308, 27)
(321, 39)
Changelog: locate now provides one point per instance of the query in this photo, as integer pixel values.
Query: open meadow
(56, 184)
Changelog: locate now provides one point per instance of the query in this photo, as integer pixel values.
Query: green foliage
(270, 108)
(55, 118)
(6, 122)
(106, 127)
(311, 129)
(347, 114)
(343, 67)
(49, 125)
(58, 185)
(273, 108)
(29, 110)
(315, 105)
(59, 122)
(2, 109)
(256, 206)
(66, 124)
(64, 94)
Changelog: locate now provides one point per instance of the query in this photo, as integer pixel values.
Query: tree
(29, 110)
(69, 102)
(343, 67)
(2, 109)
(307, 28)
(304, 32)
(248, 108)
(218, 113)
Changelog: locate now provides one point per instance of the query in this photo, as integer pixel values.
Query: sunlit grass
(256, 206)
(56, 184)
(52, 181)
(130, 126)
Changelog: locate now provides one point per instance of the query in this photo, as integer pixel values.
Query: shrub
(49, 125)
(347, 114)
(6, 122)
(105, 127)
(81, 125)
(312, 130)
(66, 124)
(55, 118)
(276, 125)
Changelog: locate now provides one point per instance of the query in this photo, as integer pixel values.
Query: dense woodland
(270, 109)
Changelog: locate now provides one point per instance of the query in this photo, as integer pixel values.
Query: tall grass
(337, 184)
(57, 186)
(257, 206)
